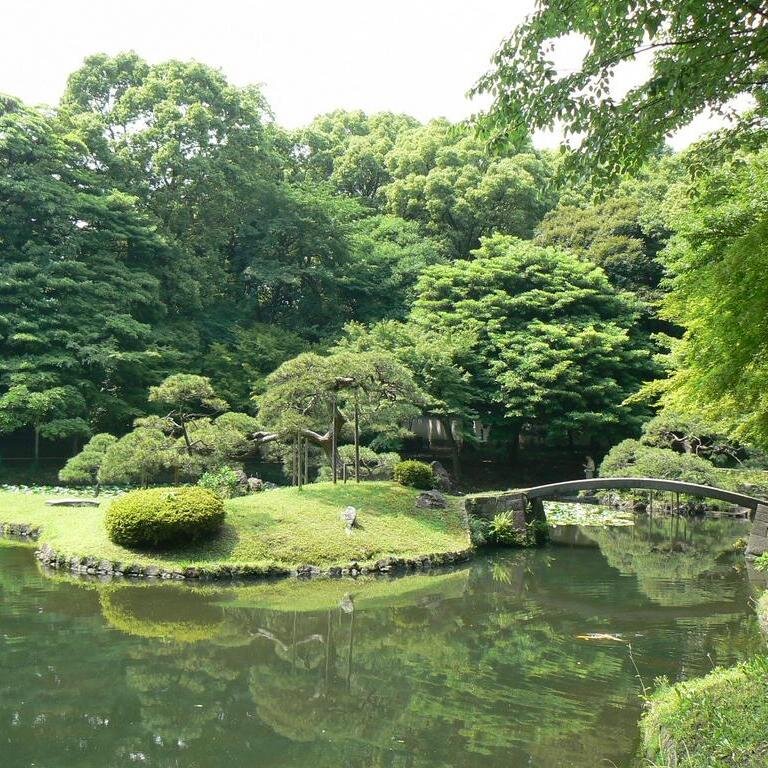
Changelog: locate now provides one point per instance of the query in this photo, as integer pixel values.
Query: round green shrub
(164, 517)
(415, 474)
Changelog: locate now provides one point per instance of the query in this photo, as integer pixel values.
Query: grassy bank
(282, 529)
(717, 721)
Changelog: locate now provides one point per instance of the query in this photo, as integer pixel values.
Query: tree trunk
(326, 443)
(37, 444)
(334, 441)
(332, 454)
(357, 441)
(185, 435)
(514, 445)
(455, 449)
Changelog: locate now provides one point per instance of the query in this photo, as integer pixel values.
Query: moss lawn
(717, 721)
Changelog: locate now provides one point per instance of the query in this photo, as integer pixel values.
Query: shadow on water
(521, 659)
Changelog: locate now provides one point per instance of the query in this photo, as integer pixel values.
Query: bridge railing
(642, 483)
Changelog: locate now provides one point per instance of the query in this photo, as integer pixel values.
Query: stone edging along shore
(93, 566)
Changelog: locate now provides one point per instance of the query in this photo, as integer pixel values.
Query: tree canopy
(702, 55)
(718, 294)
(182, 273)
(77, 295)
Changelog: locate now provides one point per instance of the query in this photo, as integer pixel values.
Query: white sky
(310, 56)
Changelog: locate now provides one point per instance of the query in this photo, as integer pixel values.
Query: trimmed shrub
(164, 517)
(415, 474)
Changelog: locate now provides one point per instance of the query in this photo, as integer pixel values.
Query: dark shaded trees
(77, 297)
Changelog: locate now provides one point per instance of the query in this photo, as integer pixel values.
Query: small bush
(538, 533)
(478, 531)
(224, 481)
(164, 517)
(415, 474)
(373, 466)
(503, 531)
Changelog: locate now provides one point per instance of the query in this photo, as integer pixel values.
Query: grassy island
(272, 532)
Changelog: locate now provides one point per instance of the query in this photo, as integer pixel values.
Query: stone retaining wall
(108, 569)
(758, 538)
(19, 529)
(762, 613)
(487, 505)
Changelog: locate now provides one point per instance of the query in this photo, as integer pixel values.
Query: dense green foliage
(553, 345)
(718, 721)
(85, 467)
(719, 260)
(223, 481)
(630, 458)
(702, 55)
(78, 297)
(164, 517)
(179, 232)
(624, 233)
(415, 474)
(161, 233)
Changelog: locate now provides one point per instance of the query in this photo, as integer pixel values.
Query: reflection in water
(521, 660)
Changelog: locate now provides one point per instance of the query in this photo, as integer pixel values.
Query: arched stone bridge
(526, 503)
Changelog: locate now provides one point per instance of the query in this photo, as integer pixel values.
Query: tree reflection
(521, 661)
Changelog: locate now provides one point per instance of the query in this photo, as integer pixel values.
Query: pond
(520, 659)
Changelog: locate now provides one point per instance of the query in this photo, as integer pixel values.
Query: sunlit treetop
(703, 54)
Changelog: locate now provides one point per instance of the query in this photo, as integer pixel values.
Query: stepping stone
(72, 503)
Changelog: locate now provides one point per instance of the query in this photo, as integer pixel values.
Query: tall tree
(349, 150)
(445, 179)
(196, 149)
(718, 294)
(623, 232)
(439, 362)
(315, 397)
(702, 55)
(555, 344)
(77, 300)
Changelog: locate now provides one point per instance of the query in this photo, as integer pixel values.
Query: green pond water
(490, 665)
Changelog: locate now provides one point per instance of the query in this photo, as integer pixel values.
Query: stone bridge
(526, 504)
